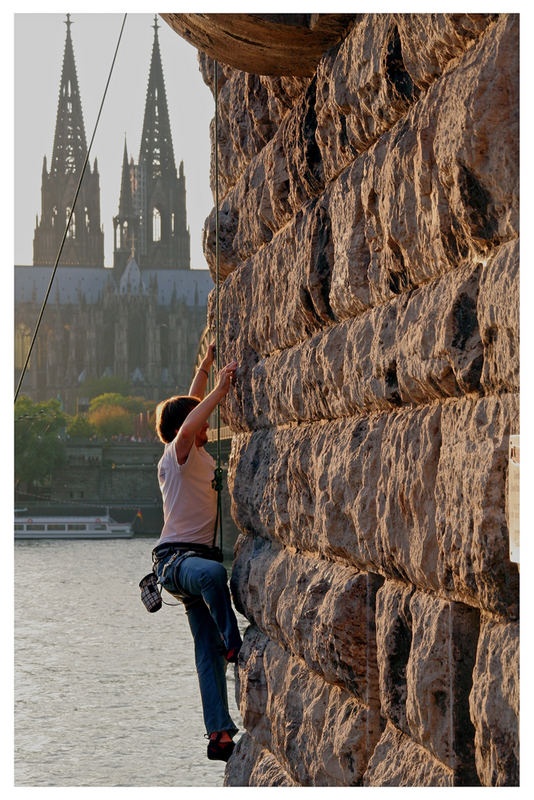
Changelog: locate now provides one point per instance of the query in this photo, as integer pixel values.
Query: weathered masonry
(369, 248)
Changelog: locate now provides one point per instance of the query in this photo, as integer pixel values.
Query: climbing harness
(152, 584)
(41, 312)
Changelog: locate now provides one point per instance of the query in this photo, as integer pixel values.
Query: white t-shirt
(189, 500)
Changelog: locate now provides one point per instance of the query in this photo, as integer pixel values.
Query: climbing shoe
(232, 654)
(219, 751)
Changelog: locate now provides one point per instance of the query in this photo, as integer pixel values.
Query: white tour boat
(55, 527)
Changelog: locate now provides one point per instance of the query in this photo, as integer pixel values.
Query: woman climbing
(186, 562)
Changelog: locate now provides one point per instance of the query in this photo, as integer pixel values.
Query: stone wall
(369, 250)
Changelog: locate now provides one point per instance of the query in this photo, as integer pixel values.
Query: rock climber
(185, 475)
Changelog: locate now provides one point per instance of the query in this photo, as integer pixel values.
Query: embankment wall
(369, 248)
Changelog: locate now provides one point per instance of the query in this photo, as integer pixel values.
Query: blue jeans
(214, 627)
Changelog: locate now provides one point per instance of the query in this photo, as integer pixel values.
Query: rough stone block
(494, 703)
(439, 678)
(240, 233)
(251, 108)
(393, 644)
(321, 611)
(282, 305)
(403, 485)
(429, 194)
(498, 320)
(471, 503)
(251, 685)
(368, 83)
(244, 127)
(440, 351)
(362, 90)
(359, 488)
(399, 761)
(252, 765)
(429, 42)
(274, 477)
(344, 369)
(319, 733)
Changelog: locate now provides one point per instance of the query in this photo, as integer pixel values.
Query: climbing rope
(43, 306)
(218, 479)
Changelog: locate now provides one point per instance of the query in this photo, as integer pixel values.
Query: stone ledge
(417, 495)
(268, 44)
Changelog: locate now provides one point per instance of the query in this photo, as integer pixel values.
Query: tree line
(42, 430)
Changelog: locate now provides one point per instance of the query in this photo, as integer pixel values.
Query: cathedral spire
(70, 146)
(125, 224)
(152, 212)
(84, 245)
(125, 199)
(156, 152)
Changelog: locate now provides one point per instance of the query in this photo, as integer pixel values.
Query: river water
(106, 694)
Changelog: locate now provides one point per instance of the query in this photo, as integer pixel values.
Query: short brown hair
(171, 413)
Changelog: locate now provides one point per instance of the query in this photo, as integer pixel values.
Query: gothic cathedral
(140, 320)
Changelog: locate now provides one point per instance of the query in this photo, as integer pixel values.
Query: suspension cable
(39, 318)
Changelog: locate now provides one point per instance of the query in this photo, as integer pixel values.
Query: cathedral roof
(31, 282)
(131, 280)
(190, 285)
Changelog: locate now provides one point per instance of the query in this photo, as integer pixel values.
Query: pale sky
(38, 49)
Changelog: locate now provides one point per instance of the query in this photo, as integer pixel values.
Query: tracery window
(22, 345)
(72, 227)
(156, 225)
